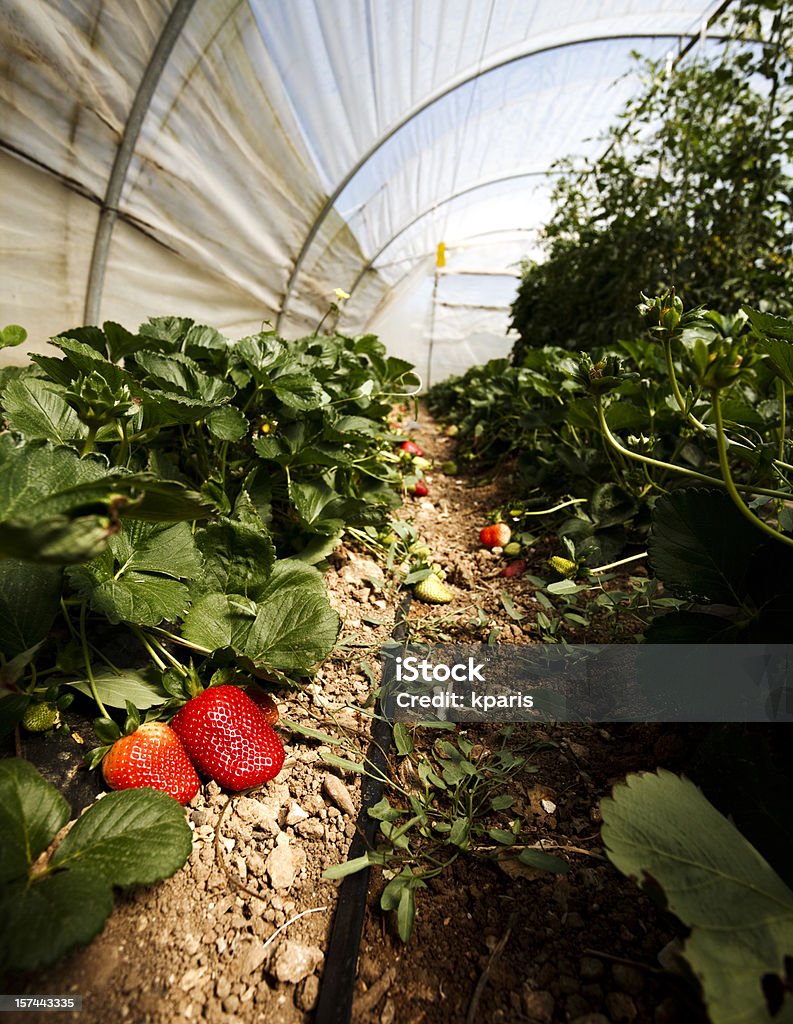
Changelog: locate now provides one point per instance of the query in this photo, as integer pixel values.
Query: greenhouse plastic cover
(237, 162)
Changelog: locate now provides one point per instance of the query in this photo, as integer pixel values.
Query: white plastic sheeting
(291, 147)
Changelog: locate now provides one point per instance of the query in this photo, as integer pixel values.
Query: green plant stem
(87, 657)
(167, 654)
(88, 446)
(123, 451)
(556, 508)
(178, 640)
(732, 490)
(682, 470)
(670, 369)
(782, 421)
(614, 565)
(141, 636)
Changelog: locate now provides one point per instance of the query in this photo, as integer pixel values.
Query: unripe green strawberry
(563, 566)
(40, 717)
(432, 591)
(449, 467)
(512, 549)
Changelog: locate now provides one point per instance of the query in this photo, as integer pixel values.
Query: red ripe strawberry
(411, 448)
(265, 703)
(495, 536)
(151, 756)
(227, 736)
(516, 568)
(419, 489)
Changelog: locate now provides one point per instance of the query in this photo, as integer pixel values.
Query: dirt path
(203, 945)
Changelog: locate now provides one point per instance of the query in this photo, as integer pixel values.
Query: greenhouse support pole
(440, 261)
(118, 175)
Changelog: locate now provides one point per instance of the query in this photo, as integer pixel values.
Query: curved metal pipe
(118, 175)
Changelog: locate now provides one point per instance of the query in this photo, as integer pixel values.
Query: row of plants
(673, 433)
(167, 501)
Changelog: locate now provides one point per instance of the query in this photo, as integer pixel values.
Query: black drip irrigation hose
(338, 977)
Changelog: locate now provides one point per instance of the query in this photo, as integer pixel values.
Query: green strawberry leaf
(138, 578)
(29, 600)
(238, 557)
(227, 424)
(700, 546)
(31, 813)
(295, 625)
(142, 688)
(41, 921)
(131, 837)
(11, 335)
(291, 625)
(738, 909)
(37, 409)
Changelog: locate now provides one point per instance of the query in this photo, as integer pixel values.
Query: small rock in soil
(628, 978)
(539, 1006)
(339, 794)
(250, 957)
(294, 961)
(309, 993)
(295, 813)
(284, 863)
(590, 968)
(621, 1007)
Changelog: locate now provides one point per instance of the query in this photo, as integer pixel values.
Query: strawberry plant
(176, 489)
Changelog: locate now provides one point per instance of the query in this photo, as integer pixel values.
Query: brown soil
(487, 945)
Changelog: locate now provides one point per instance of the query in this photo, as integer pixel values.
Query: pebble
(628, 978)
(339, 794)
(621, 1007)
(295, 813)
(309, 993)
(284, 863)
(539, 1006)
(250, 956)
(590, 968)
(191, 978)
(295, 961)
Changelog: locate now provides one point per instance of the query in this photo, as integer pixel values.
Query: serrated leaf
(295, 625)
(126, 583)
(29, 600)
(660, 827)
(227, 424)
(131, 837)
(141, 688)
(42, 921)
(238, 558)
(37, 409)
(700, 545)
(31, 813)
(299, 391)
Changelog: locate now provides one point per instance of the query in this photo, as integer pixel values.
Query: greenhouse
(396, 504)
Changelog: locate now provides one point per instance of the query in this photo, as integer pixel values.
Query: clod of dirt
(294, 961)
(339, 794)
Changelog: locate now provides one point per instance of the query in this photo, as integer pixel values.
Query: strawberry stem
(87, 658)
